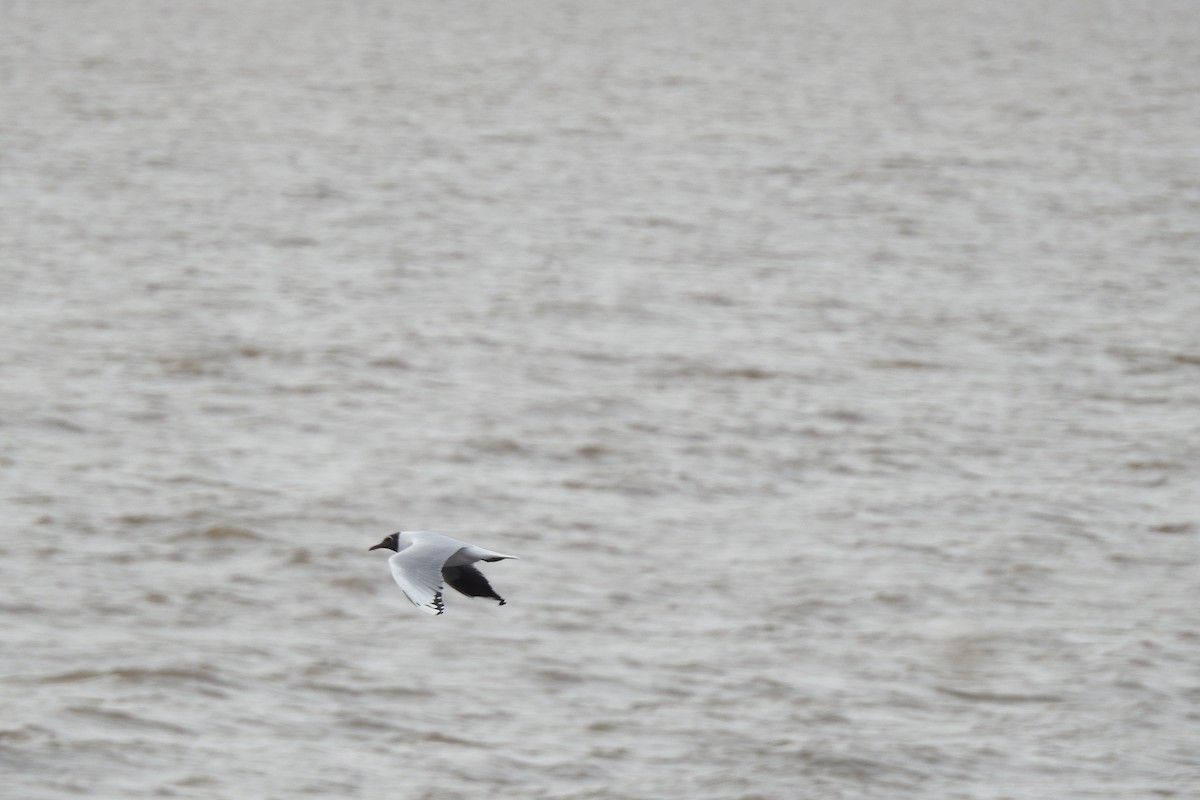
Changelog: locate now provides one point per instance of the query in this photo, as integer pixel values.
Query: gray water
(834, 368)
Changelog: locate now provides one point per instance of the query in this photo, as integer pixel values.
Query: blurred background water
(833, 368)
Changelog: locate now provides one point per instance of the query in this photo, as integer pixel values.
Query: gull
(424, 559)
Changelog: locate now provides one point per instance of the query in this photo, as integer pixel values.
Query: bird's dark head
(389, 543)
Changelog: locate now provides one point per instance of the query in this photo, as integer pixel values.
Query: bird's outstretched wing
(418, 571)
(470, 582)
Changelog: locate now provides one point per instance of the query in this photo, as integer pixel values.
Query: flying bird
(425, 561)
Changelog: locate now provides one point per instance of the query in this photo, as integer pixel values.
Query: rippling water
(833, 368)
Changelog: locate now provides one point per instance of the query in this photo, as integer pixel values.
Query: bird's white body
(425, 560)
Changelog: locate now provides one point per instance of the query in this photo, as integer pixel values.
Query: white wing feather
(417, 569)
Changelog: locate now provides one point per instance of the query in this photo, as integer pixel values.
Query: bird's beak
(376, 547)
